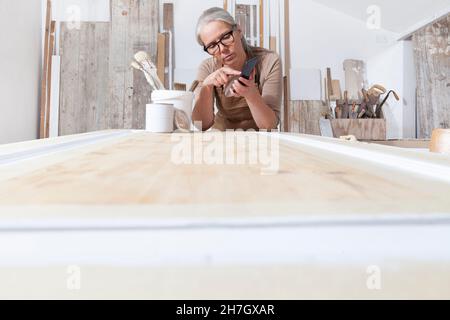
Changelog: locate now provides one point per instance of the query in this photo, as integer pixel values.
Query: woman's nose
(223, 48)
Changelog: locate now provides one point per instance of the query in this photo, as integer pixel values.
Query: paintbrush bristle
(141, 56)
(135, 65)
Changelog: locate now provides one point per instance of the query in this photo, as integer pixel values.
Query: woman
(251, 104)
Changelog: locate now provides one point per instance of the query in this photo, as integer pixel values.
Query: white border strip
(418, 167)
(159, 224)
(41, 151)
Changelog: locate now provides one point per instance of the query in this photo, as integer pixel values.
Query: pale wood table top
(116, 205)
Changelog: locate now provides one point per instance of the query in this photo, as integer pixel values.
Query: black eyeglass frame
(231, 32)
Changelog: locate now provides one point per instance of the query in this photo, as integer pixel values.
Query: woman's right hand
(220, 77)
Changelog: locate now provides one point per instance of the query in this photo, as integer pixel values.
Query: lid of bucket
(168, 94)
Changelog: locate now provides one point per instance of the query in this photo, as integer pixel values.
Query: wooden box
(362, 129)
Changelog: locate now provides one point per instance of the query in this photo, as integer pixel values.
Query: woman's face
(231, 55)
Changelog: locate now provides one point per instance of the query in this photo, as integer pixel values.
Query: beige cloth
(234, 113)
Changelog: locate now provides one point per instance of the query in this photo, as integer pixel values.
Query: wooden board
(99, 90)
(305, 115)
(84, 91)
(287, 68)
(334, 209)
(337, 92)
(362, 129)
(134, 27)
(49, 79)
(44, 78)
(433, 77)
(302, 170)
(163, 56)
(168, 16)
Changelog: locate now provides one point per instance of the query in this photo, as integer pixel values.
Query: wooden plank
(305, 171)
(44, 78)
(433, 77)
(84, 78)
(49, 79)
(286, 99)
(90, 195)
(336, 88)
(329, 85)
(161, 59)
(70, 116)
(287, 64)
(169, 28)
(305, 116)
(168, 16)
(134, 28)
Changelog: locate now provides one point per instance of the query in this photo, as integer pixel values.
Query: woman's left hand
(247, 90)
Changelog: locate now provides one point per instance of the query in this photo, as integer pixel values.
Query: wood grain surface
(119, 205)
(137, 173)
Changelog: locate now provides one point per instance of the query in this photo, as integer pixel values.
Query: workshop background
(401, 45)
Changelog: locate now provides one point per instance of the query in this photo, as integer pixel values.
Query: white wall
(188, 53)
(322, 37)
(20, 65)
(386, 68)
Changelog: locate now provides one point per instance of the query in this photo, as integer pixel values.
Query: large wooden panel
(335, 210)
(99, 90)
(308, 181)
(84, 92)
(134, 27)
(432, 59)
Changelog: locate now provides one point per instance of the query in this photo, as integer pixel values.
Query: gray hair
(218, 14)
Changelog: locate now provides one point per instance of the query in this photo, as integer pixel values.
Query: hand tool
(380, 106)
(345, 107)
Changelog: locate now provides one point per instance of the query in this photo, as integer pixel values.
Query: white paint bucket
(159, 118)
(181, 100)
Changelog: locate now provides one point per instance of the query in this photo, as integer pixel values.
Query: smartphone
(248, 68)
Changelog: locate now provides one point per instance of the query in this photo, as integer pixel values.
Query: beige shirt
(234, 113)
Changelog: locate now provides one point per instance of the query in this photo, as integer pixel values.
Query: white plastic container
(159, 118)
(181, 100)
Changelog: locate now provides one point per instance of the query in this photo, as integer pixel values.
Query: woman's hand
(220, 77)
(246, 89)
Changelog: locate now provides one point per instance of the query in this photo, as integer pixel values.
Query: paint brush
(143, 59)
(148, 76)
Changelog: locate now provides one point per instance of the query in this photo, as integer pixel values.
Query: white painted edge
(364, 246)
(404, 164)
(41, 151)
(191, 223)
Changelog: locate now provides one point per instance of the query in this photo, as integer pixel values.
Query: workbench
(111, 215)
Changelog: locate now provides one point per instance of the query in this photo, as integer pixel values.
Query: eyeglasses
(226, 40)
